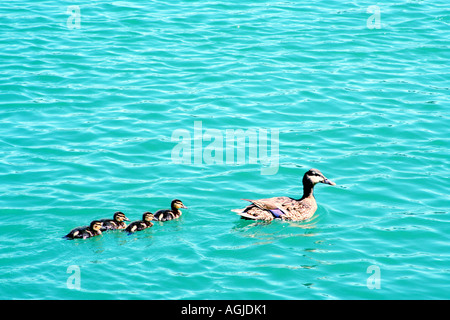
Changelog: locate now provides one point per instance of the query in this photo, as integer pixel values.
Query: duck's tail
(244, 215)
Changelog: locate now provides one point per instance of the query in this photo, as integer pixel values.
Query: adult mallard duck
(284, 207)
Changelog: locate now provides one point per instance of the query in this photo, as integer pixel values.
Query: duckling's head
(95, 225)
(120, 216)
(177, 204)
(147, 216)
(314, 176)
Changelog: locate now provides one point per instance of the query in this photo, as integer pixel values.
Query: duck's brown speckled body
(287, 208)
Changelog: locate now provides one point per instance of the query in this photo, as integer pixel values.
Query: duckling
(173, 213)
(139, 225)
(85, 232)
(286, 208)
(117, 222)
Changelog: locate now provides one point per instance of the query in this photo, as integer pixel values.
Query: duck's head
(96, 225)
(147, 216)
(120, 216)
(177, 204)
(314, 176)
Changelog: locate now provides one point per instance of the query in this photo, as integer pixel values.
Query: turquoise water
(89, 108)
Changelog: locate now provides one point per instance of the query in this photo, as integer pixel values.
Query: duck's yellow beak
(326, 181)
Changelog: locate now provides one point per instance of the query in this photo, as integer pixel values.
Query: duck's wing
(108, 224)
(264, 209)
(163, 215)
(132, 227)
(72, 234)
(76, 233)
(270, 203)
(87, 234)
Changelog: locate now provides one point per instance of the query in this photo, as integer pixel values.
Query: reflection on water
(273, 230)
